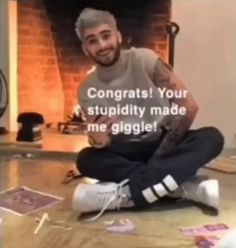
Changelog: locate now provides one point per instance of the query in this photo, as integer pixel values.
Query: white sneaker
(228, 240)
(100, 197)
(201, 191)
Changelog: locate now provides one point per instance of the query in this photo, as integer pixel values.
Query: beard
(110, 58)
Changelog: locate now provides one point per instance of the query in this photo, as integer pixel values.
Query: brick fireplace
(51, 62)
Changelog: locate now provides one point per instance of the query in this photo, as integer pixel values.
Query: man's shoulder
(146, 58)
(142, 52)
(89, 80)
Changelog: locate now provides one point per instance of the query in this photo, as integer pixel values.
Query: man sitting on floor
(138, 169)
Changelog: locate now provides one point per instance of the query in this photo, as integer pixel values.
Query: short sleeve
(163, 73)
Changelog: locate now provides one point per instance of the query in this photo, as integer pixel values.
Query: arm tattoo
(177, 125)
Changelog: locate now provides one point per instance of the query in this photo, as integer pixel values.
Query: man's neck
(107, 73)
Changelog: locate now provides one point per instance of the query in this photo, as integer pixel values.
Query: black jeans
(151, 177)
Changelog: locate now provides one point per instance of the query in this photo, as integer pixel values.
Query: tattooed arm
(177, 125)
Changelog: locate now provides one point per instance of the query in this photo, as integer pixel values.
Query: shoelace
(116, 195)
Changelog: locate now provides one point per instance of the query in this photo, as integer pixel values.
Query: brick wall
(157, 14)
(146, 26)
(63, 67)
(73, 64)
(40, 84)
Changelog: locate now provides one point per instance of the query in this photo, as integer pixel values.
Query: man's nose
(102, 43)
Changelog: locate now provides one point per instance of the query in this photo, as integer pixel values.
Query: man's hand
(100, 139)
(177, 126)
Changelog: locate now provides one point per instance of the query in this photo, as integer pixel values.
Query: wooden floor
(157, 227)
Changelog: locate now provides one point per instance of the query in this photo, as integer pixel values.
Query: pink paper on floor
(23, 201)
(122, 226)
(206, 242)
(205, 230)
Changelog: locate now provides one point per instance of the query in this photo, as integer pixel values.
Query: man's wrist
(95, 144)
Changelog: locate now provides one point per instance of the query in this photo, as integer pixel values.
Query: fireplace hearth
(51, 62)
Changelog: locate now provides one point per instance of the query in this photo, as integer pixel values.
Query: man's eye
(106, 36)
(92, 41)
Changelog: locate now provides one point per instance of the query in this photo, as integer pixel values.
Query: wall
(3, 50)
(72, 63)
(40, 85)
(8, 59)
(205, 59)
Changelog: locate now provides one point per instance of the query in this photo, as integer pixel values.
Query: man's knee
(214, 139)
(84, 159)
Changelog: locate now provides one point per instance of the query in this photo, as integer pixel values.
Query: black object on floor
(30, 126)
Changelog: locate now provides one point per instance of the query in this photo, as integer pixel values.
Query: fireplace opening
(51, 62)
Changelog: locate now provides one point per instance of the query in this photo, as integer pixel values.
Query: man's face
(102, 44)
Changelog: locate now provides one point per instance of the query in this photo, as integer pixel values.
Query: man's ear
(119, 36)
(84, 50)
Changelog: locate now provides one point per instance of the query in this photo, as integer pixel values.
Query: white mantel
(8, 59)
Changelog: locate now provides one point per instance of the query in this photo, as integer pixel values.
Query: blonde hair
(90, 18)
